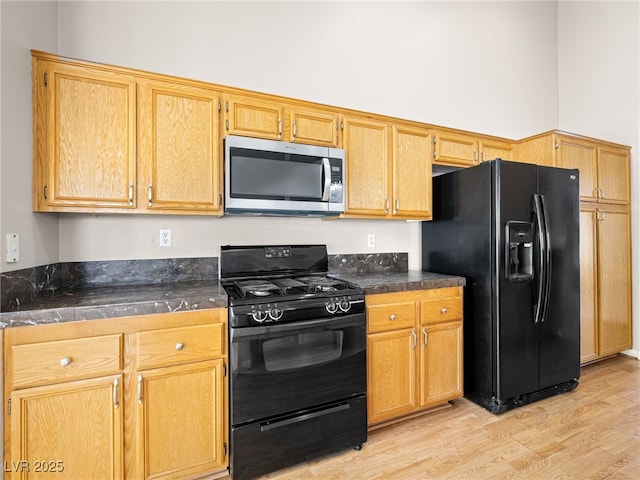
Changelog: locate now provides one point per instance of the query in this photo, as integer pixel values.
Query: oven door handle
(265, 427)
(297, 327)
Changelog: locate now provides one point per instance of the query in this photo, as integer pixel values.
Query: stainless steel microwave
(268, 177)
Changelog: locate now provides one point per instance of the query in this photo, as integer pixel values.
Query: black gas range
(277, 284)
(297, 356)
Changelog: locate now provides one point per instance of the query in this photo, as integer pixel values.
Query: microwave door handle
(326, 167)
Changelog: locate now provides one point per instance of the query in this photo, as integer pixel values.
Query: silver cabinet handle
(179, 346)
(414, 337)
(295, 130)
(425, 336)
(116, 384)
(150, 195)
(140, 388)
(279, 128)
(131, 193)
(65, 362)
(444, 310)
(397, 205)
(386, 205)
(392, 316)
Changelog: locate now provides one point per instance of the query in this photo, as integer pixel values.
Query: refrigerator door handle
(544, 257)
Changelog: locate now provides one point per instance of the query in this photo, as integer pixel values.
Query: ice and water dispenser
(519, 251)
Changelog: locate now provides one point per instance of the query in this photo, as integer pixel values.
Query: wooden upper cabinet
(454, 149)
(411, 172)
(583, 155)
(604, 169)
(539, 150)
(491, 149)
(179, 148)
(366, 143)
(313, 127)
(84, 138)
(613, 174)
(253, 117)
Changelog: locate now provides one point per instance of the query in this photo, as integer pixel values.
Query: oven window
(302, 350)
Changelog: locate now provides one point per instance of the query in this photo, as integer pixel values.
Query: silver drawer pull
(393, 316)
(444, 310)
(65, 362)
(179, 346)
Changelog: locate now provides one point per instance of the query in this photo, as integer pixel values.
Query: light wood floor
(590, 433)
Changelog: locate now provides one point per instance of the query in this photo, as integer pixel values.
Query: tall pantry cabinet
(605, 241)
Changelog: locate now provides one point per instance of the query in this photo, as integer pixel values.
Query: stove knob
(332, 307)
(259, 315)
(344, 304)
(276, 313)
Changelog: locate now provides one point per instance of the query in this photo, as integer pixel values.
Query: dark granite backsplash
(369, 263)
(23, 286)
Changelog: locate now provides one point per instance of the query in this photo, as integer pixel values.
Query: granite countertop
(386, 282)
(123, 301)
(113, 302)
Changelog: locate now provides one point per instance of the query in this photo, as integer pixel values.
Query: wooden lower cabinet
(605, 281)
(441, 363)
(70, 431)
(180, 432)
(414, 351)
(131, 398)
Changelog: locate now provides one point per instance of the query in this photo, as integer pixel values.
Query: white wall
(25, 25)
(599, 91)
(443, 63)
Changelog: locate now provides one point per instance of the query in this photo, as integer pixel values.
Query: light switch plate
(13, 247)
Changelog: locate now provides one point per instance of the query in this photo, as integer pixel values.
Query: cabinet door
(366, 143)
(440, 363)
(181, 421)
(490, 149)
(391, 377)
(69, 431)
(314, 127)
(90, 153)
(411, 173)
(613, 175)
(455, 149)
(253, 117)
(582, 155)
(614, 281)
(539, 150)
(588, 286)
(179, 148)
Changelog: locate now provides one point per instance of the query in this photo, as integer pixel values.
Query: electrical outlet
(165, 237)
(371, 240)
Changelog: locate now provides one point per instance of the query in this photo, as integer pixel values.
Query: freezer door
(516, 335)
(559, 328)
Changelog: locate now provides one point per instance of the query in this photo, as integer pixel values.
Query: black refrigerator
(512, 230)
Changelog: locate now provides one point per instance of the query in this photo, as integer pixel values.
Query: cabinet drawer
(171, 346)
(63, 360)
(391, 316)
(440, 310)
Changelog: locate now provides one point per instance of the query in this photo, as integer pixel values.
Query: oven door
(279, 369)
